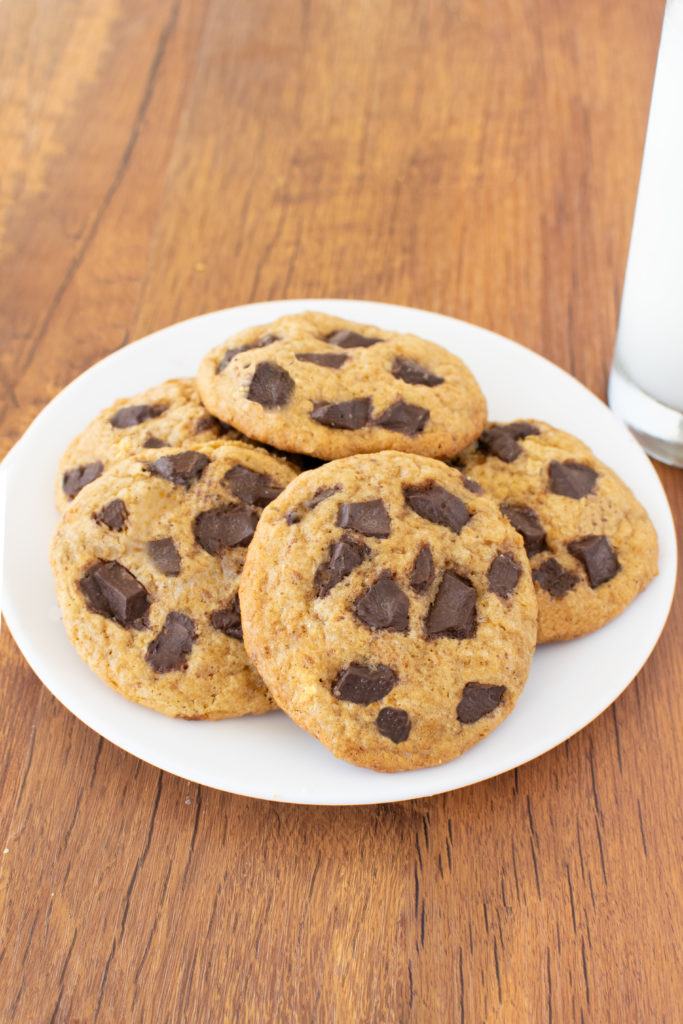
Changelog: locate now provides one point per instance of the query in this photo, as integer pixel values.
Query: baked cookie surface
(147, 562)
(326, 387)
(591, 544)
(390, 609)
(167, 415)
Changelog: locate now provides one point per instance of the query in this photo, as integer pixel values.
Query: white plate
(268, 756)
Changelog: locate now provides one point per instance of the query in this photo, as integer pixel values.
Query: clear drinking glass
(646, 381)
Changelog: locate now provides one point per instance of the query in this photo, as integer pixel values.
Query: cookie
(591, 545)
(147, 562)
(169, 414)
(389, 608)
(325, 387)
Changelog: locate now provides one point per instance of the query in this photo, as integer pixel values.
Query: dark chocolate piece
(154, 442)
(75, 479)
(526, 522)
(184, 469)
(133, 415)
(367, 517)
(383, 605)
(230, 353)
(271, 386)
(503, 575)
(423, 570)
(438, 505)
(227, 526)
(252, 487)
(351, 339)
(501, 439)
(598, 558)
(344, 556)
(394, 723)
(330, 360)
(454, 610)
(112, 591)
(169, 651)
(414, 373)
(471, 485)
(296, 514)
(208, 422)
(321, 495)
(351, 415)
(478, 700)
(362, 684)
(113, 515)
(553, 578)
(228, 620)
(165, 556)
(403, 418)
(571, 479)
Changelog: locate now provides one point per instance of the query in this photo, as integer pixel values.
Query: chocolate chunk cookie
(164, 416)
(147, 561)
(591, 545)
(390, 609)
(325, 387)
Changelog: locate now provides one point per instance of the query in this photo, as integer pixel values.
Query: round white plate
(268, 756)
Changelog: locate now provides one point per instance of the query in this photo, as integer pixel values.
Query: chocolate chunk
(169, 651)
(331, 360)
(321, 495)
(113, 515)
(471, 485)
(438, 505)
(271, 386)
(598, 557)
(228, 620)
(572, 479)
(132, 415)
(184, 468)
(229, 354)
(501, 440)
(478, 700)
(227, 526)
(367, 517)
(394, 723)
(154, 442)
(526, 522)
(75, 479)
(208, 422)
(296, 514)
(253, 488)
(403, 418)
(551, 576)
(454, 610)
(384, 605)
(165, 556)
(112, 591)
(423, 570)
(414, 373)
(362, 684)
(503, 575)
(350, 415)
(343, 557)
(351, 339)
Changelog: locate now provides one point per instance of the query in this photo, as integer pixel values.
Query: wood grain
(162, 158)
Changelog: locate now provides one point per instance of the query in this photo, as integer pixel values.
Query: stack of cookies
(390, 598)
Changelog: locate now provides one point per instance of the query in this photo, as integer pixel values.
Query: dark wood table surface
(163, 158)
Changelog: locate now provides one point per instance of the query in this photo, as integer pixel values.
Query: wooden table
(162, 158)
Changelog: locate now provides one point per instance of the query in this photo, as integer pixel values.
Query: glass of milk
(646, 381)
